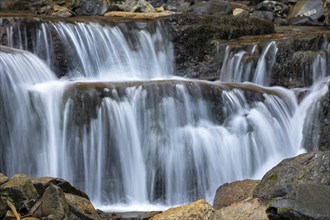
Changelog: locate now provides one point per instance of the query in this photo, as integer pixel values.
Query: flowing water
(145, 144)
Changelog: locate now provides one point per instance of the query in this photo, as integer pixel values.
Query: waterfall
(242, 66)
(132, 51)
(127, 139)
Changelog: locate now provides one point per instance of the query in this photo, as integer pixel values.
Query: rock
(212, 7)
(91, 7)
(288, 174)
(196, 210)
(3, 179)
(230, 193)
(137, 6)
(137, 16)
(148, 215)
(326, 6)
(41, 183)
(20, 191)
(81, 207)
(279, 9)
(195, 45)
(238, 11)
(3, 208)
(10, 215)
(53, 204)
(266, 15)
(306, 201)
(306, 8)
(304, 21)
(60, 11)
(250, 208)
(324, 120)
(23, 5)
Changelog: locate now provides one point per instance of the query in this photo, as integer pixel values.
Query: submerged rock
(199, 210)
(230, 193)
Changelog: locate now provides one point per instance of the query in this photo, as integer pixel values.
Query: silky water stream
(123, 129)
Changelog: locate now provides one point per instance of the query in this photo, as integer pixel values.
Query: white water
(154, 146)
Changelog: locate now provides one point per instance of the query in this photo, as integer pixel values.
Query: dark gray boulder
(306, 201)
(306, 8)
(91, 7)
(282, 180)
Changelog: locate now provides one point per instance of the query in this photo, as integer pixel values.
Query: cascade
(121, 128)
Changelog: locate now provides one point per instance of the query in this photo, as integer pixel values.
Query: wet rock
(250, 208)
(91, 7)
(196, 210)
(194, 38)
(133, 15)
(41, 183)
(279, 9)
(20, 190)
(212, 7)
(306, 8)
(3, 178)
(324, 123)
(230, 193)
(290, 173)
(306, 201)
(81, 207)
(54, 204)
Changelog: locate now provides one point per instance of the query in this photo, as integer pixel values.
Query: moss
(272, 177)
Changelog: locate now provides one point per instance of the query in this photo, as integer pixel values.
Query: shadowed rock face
(194, 38)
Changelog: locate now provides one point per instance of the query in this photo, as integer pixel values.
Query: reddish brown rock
(230, 193)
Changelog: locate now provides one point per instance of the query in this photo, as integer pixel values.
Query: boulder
(91, 7)
(3, 178)
(54, 204)
(81, 207)
(230, 193)
(326, 5)
(281, 180)
(212, 7)
(20, 191)
(41, 183)
(60, 11)
(306, 201)
(3, 208)
(250, 208)
(199, 210)
(306, 8)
